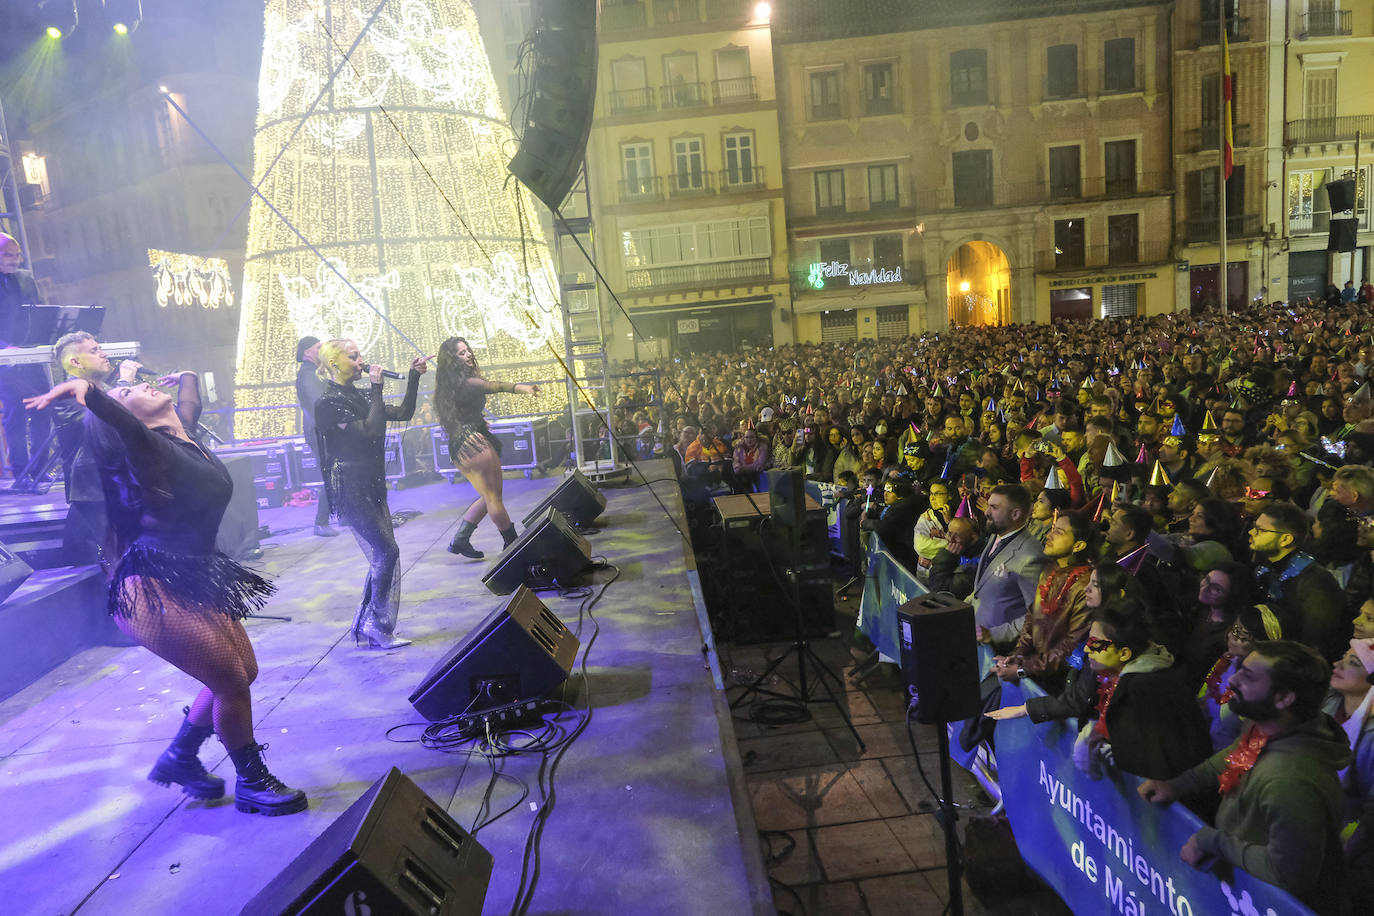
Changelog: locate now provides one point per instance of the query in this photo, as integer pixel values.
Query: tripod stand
(801, 646)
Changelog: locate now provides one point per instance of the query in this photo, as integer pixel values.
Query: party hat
(1361, 394)
(1159, 477)
(1132, 561)
(1177, 428)
(964, 511)
(1209, 423)
(1103, 501)
(1212, 477)
(1054, 481)
(1113, 458)
(991, 406)
(1035, 420)
(1144, 456)
(1292, 389)
(937, 391)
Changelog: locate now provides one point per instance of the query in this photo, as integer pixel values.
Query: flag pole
(1224, 87)
(1354, 255)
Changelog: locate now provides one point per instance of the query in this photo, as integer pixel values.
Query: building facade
(685, 178)
(1327, 103)
(976, 164)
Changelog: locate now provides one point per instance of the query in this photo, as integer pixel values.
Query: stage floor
(651, 815)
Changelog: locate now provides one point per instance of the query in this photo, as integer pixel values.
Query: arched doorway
(978, 280)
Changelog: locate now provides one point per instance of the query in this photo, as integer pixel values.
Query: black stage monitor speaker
(13, 572)
(394, 851)
(548, 553)
(520, 651)
(576, 498)
(787, 497)
(558, 117)
(1341, 195)
(939, 648)
(1341, 235)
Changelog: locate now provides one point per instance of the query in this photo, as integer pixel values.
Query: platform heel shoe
(258, 791)
(180, 763)
(462, 542)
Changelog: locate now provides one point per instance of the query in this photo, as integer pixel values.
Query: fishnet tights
(213, 649)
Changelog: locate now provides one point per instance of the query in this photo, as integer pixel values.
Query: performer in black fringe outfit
(171, 590)
(460, 395)
(351, 427)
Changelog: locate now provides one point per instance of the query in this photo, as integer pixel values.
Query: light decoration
(356, 182)
(187, 280)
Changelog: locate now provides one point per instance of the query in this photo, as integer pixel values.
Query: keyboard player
(21, 427)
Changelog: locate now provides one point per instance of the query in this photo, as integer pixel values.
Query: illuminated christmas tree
(410, 130)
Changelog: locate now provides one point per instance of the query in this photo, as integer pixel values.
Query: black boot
(461, 543)
(180, 764)
(258, 791)
(508, 536)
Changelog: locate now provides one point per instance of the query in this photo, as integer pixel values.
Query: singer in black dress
(171, 590)
(460, 397)
(351, 428)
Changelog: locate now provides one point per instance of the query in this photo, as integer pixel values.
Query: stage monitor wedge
(521, 649)
(547, 553)
(14, 572)
(579, 501)
(558, 117)
(394, 851)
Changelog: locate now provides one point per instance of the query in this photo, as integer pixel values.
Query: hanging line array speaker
(558, 117)
(1341, 235)
(1341, 194)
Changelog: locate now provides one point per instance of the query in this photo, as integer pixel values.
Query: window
(1308, 207)
(879, 97)
(637, 169)
(839, 326)
(733, 80)
(1121, 300)
(829, 191)
(1204, 199)
(689, 167)
(680, 86)
(630, 86)
(835, 250)
(1065, 181)
(887, 251)
(1319, 94)
(1061, 71)
(1118, 71)
(739, 160)
(825, 95)
(968, 77)
(1209, 134)
(686, 243)
(882, 188)
(1123, 238)
(1118, 157)
(1068, 243)
(973, 178)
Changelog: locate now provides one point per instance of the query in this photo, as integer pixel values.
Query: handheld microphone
(143, 371)
(387, 373)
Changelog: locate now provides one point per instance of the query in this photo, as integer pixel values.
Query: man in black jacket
(897, 525)
(1306, 598)
(18, 382)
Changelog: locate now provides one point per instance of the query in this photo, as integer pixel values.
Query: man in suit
(1009, 568)
(18, 382)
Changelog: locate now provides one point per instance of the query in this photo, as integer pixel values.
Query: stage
(652, 812)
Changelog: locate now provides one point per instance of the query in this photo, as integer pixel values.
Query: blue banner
(887, 586)
(1101, 846)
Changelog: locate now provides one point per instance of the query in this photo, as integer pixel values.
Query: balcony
(735, 89)
(644, 188)
(630, 101)
(683, 95)
(623, 15)
(738, 179)
(1040, 192)
(1325, 24)
(1326, 130)
(1207, 138)
(1318, 222)
(1102, 256)
(1206, 229)
(814, 278)
(856, 209)
(723, 273)
(691, 184)
(729, 9)
(672, 12)
(1209, 31)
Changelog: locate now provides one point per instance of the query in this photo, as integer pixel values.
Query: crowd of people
(1167, 522)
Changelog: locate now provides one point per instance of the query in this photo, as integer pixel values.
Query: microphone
(386, 373)
(143, 371)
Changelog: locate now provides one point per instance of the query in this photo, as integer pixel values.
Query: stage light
(163, 89)
(762, 11)
(349, 183)
(121, 29)
(60, 17)
(54, 32)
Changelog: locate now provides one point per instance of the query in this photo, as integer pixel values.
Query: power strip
(499, 718)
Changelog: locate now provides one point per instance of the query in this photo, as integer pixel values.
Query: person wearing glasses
(1136, 708)
(1304, 595)
(897, 523)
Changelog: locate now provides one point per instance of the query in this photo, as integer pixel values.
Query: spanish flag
(1227, 90)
